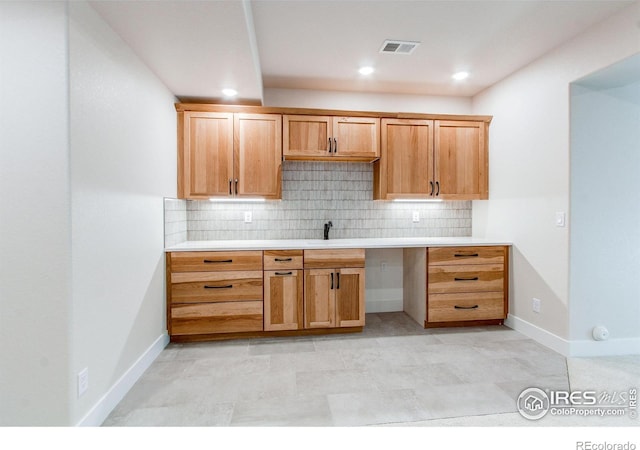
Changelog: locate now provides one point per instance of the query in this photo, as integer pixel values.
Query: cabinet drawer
(328, 259)
(466, 255)
(195, 287)
(466, 306)
(473, 278)
(282, 259)
(232, 317)
(215, 261)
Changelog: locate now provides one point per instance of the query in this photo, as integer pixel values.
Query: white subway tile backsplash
(312, 194)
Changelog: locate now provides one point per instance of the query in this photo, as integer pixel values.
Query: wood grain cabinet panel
(212, 293)
(205, 156)
(329, 138)
(432, 159)
(466, 285)
(216, 318)
(229, 155)
(283, 300)
(334, 291)
(282, 259)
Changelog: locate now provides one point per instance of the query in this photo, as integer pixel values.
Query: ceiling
(197, 48)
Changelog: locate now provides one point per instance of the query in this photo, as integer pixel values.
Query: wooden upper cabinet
(405, 166)
(205, 159)
(306, 136)
(432, 159)
(227, 155)
(258, 155)
(461, 160)
(328, 138)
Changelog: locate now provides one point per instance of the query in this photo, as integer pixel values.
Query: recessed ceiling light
(460, 75)
(366, 70)
(228, 92)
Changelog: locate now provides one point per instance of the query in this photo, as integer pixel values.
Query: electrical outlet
(416, 216)
(83, 381)
(536, 304)
(248, 217)
(383, 266)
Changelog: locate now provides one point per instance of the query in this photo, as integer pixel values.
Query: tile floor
(393, 373)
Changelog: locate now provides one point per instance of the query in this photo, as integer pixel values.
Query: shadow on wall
(529, 284)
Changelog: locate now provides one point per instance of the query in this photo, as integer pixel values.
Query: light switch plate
(561, 219)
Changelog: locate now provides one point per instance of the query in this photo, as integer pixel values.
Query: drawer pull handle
(284, 259)
(466, 307)
(228, 286)
(466, 279)
(284, 273)
(468, 255)
(210, 261)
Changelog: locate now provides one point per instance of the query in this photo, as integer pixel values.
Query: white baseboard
(110, 400)
(538, 334)
(582, 348)
(384, 306)
(611, 347)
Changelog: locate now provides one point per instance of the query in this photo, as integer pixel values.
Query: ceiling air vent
(399, 47)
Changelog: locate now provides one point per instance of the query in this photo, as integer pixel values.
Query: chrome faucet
(326, 230)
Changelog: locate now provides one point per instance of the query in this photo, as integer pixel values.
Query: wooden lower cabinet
(283, 308)
(334, 298)
(334, 288)
(464, 285)
(232, 294)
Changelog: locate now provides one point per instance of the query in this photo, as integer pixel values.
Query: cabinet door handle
(230, 191)
(466, 279)
(466, 307)
(284, 273)
(430, 193)
(466, 255)
(228, 286)
(338, 284)
(236, 186)
(331, 280)
(283, 259)
(335, 145)
(329, 145)
(438, 188)
(222, 261)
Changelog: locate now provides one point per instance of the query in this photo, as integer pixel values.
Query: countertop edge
(317, 244)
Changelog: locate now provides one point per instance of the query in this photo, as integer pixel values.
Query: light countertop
(312, 244)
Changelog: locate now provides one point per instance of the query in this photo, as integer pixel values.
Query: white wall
(362, 101)
(123, 147)
(605, 207)
(529, 169)
(35, 265)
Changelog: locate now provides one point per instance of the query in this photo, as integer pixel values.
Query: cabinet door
(205, 162)
(283, 308)
(306, 136)
(258, 155)
(461, 160)
(349, 291)
(406, 160)
(356, 137)
(319, 298)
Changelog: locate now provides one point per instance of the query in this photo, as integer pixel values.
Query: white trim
(538, 334)
(612, 347)
(110, 400)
